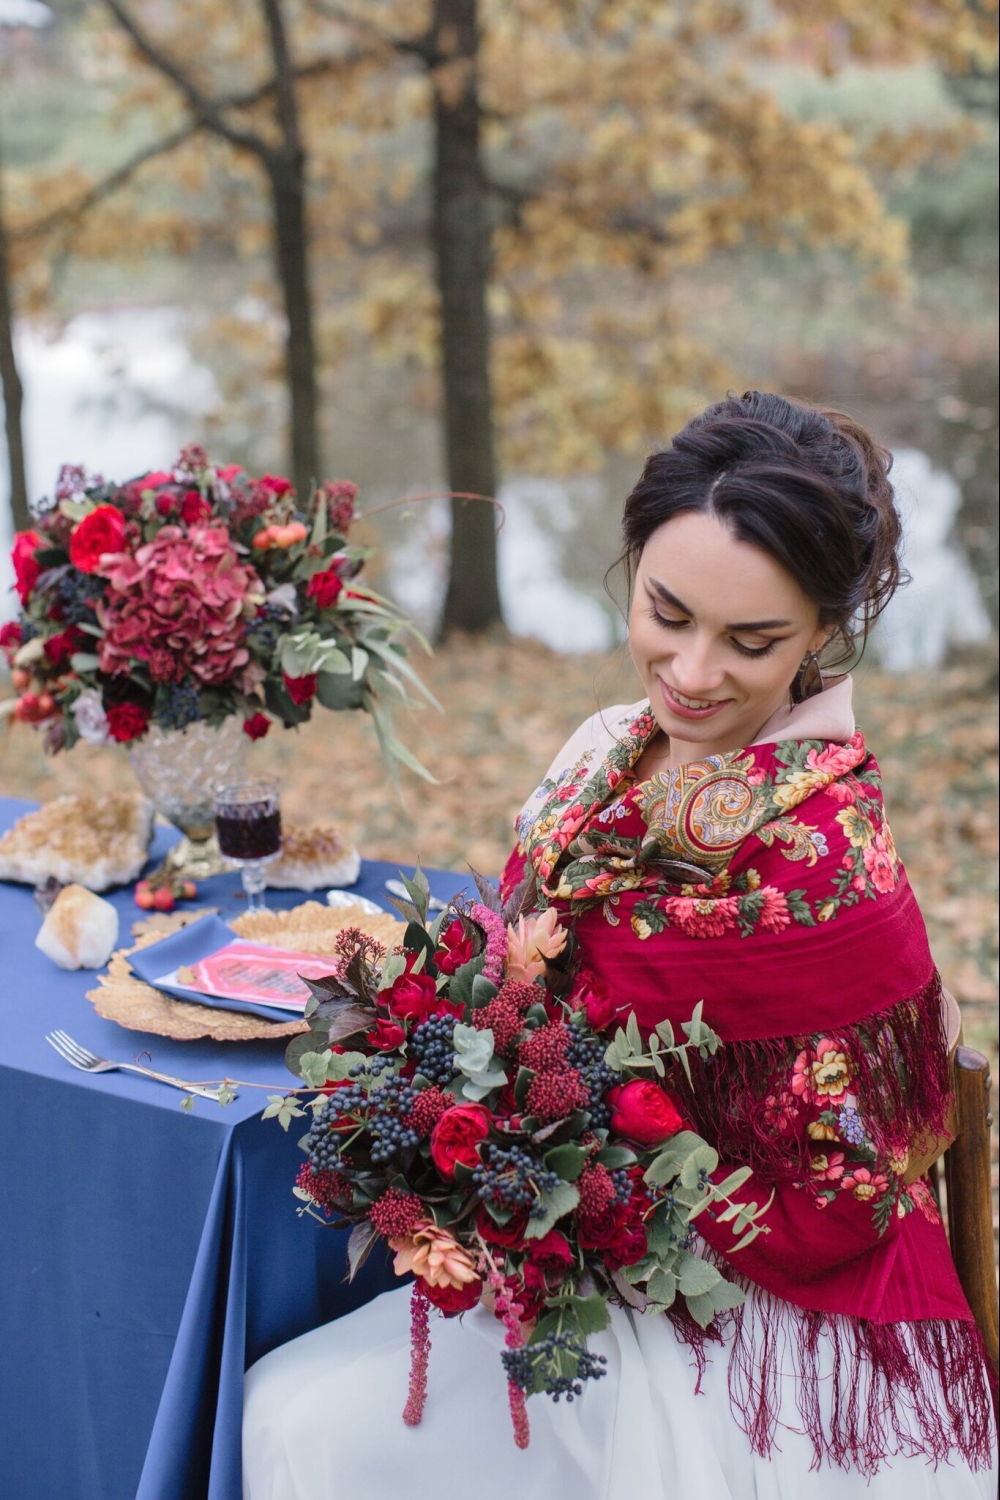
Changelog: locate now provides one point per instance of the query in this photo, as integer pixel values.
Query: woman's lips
(683, 711)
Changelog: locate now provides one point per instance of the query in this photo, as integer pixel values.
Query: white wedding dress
(322, 1421)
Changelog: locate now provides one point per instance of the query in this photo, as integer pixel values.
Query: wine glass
(248, 825)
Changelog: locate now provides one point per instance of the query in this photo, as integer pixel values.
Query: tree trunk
(461, 251)
(12, 393)
(291, 240)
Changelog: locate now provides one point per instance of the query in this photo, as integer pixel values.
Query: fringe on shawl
(899, 1076)
(924, 1388)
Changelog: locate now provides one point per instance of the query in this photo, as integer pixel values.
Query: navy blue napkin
(187, 946)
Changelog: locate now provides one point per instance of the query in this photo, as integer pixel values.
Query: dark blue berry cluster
(179, 705)
(323, 1144)
(623, 1187)
(586, 1052)
(264, 634)
(381, 1113)
(510, 1177)
(543, 1366)
(432, 1048)
(76, 596)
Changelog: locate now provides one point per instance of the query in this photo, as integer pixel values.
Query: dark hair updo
(807, 485)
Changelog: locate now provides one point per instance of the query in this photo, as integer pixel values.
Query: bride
(764, 538)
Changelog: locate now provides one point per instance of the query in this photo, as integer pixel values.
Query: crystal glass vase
(179, 770)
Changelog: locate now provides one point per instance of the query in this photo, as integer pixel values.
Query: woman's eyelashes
(752, 651)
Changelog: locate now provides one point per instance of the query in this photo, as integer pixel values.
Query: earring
(808, 680)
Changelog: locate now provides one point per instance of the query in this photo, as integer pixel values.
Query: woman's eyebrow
(746, 625)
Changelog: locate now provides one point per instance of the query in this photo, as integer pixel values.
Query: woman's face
(717, 632)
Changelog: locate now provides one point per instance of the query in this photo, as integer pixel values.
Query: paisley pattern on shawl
(765, 884)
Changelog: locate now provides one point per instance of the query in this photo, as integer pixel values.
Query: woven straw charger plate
(309, 928)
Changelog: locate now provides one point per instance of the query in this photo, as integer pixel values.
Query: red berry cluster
(328, 1190)
(521, 995)
(544, 1050)
(428, 1107)
(503, 1018)
(553, 1096)
(396, 1214)
(596, 1189)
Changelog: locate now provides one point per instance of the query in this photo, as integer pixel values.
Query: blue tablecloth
(147, 1255)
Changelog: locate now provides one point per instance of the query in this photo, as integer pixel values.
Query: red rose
(26, 568)
(101, 532)
(455, 949)
(643, 1112)
(59, 648)
(456, 1137)
(126, 721)
(593, 997)
(509, 1235)
(228, 472)
(551, 1254)
(154, 480)
(386, 1035)
(11, 637)
(256, 726)
(414, 997)
(275, 484)
(629, 1247)
(300, 689)
(194, 508)
(325, 588)
(165, 502)
(452, 1300)
(604, 1230)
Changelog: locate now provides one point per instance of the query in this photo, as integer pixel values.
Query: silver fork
(88, 1062)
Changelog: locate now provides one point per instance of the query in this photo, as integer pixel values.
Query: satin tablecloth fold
(147, 1255)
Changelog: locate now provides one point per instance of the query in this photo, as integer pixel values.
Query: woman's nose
(696, 669)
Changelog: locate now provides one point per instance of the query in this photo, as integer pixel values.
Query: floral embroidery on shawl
(695, 819)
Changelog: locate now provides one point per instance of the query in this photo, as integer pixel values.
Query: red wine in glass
(248, 825)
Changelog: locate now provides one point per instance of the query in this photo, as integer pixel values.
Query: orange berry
(264, 539)
(143, 897)
(20, 678)
(163, 898)
(288, 536)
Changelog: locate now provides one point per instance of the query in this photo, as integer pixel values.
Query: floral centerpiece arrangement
(194, 594)
(478, 1108)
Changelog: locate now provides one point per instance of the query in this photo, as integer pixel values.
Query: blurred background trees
(501, 212)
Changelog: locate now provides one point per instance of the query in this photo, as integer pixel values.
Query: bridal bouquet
(478, 1109)
(193, 594)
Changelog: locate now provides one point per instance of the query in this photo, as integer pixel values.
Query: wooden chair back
(970, 1201)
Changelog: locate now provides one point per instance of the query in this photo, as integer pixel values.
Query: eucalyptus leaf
(561, 1200)
(695, 1275)
(662, 1287)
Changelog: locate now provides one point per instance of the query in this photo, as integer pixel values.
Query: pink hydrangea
(181, 595)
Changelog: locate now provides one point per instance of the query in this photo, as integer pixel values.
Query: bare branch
(206, 110)
(123, 174)
(98, 191)
(420, 46)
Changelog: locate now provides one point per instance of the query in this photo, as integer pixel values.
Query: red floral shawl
(765, 883)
